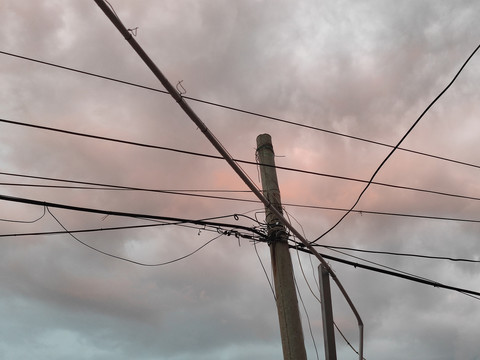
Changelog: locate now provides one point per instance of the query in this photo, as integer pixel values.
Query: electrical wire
(193, 153)
(242, 111)
(471, 293)
(126, 259)
(112, 187)
(400, 254)
(401, 272)
(398, 144)
(382, 265)
(206, 221)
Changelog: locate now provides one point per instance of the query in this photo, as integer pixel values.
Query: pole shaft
(286, 296)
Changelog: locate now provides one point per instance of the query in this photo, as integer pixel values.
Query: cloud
(363, 69)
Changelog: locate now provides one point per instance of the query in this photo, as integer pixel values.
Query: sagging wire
(124, 258)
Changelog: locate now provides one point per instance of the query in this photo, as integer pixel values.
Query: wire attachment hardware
(180, 89)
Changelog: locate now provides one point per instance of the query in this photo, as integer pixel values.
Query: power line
(471, 293)
(432, 257)
(398, 144)
(247, 112)
(192, 153)
(133, 215)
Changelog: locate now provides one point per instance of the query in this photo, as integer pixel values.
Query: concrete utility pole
(286, 296)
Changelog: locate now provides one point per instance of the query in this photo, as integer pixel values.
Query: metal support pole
(327, 314)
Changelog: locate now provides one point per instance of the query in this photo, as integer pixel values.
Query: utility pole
(110, 13)
(285, 293)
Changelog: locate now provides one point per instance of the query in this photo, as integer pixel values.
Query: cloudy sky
(364, 69)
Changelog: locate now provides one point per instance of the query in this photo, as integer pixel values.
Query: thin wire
(398, 144)
(231, 108)
(400, 254)
(359, 211)
(264, 271)
(129, 260)
(26, 221)
(308, 317)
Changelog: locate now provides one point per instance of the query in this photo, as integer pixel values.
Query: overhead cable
(243, 111)
(127, 259)
(225, 154)
(471, 293)
(380, 252)
(207, 221)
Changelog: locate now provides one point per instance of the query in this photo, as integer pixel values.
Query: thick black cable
(379, 252)
(398, 144)
(206, 221)
(471, 293)
(231, 108)
(126, 259)
(192, 153)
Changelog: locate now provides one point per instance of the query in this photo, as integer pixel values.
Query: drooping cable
(126, 259)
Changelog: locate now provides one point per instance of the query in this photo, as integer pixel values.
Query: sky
(363, 69)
